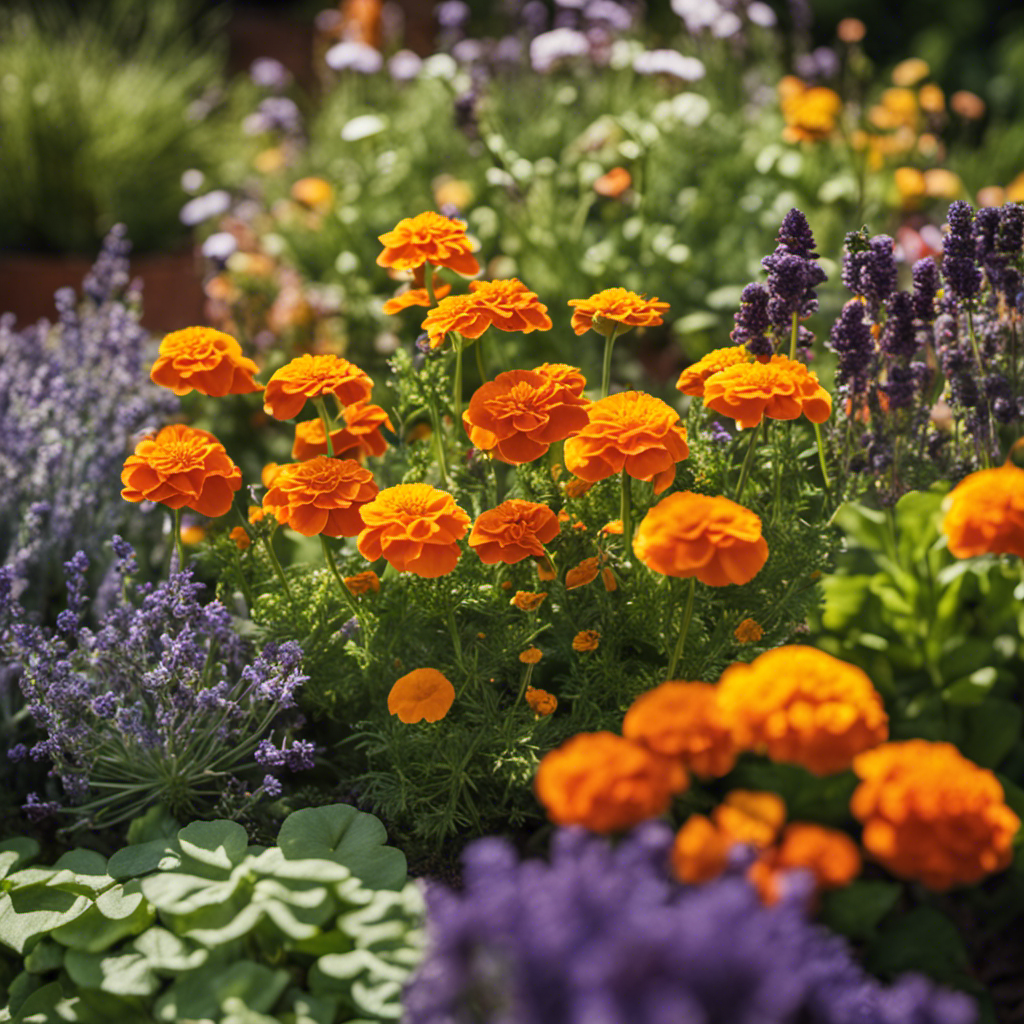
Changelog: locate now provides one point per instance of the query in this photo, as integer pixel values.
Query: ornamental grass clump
(160, 703)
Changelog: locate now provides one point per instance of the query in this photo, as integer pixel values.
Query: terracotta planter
(172, 289)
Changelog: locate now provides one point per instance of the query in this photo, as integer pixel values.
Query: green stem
(277, 566)
(793, 336)
(821, 460)
(606, 374)
(178, 544)
(428, 281)
(626, 511)
(321, 408)
(481, 369)
(333, 566)
(435, 421)
(458, 342)
(684, 629)
(525, 683)
(776, 471)
(748, 461)
(450, 616)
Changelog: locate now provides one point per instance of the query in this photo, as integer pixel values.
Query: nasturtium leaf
(128, 974)
(155, 855)
(94, 933)
(273, 862)
(156, 823)
(45, 956)
(166, 953)
(81, 871)
(203, 993)
(340, 833)
(28, 913)
(174, 892)
(218, 844)
(16, 852)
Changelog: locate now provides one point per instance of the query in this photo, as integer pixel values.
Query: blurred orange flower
(832, 857)
(630, 431)
(577, 488)
(802, 705)
(520, 414)
(691, 380)
(428, 238)
(321, 495)
(415, 297)
(205, 360)
(360, 436)
(515, 530)
(810, 112)
(782, 389)
(527, 601)
(363, 583)
(313, 192)
(700, 852)
(931, 815)
(613, 183)
(615, 309)
(967, 104)
(541, 702)
(586, 640)
(241, 537)
(985, 514)
(422, 694)
(749, 631)
(308, 377)
(606, 783)
(416, 527)
(567, 376)
(582, 574)
(182, 467)
(683, 720)
(750, 816)
(712, 538)
(531, 656)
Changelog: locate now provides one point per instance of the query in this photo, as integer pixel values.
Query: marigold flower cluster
(428, 238)
(630, 431)
(691, 380)
(710, 538)
(802, 705)
(513, 531)
(811, 112)
(931, 815)
(361, 434)
(202, 359)
(321, 496)
(309, 377)
(507, 305)
(615, 309)
(986, 514)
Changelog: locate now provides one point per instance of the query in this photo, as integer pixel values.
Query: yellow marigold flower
(691, 380)
(606, 783)
(614, 526)
(363, 583)
(931, 815)
(584, 573)
(269, 473)
(810, 113)
(421, 694)
(531, 656)
(910, 184)
(749, 631)
(910, 71)
(576, 488)
(586, 640)
(528, 601)
(683, 720)
(932, 98)
(940, 183)
(802, 705)
(541, 702)
(986, 514)
(313, 192)
(615, 309)
(240, 536)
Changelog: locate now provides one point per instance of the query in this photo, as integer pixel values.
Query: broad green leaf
(81, 871)
(177, 893)
(866, 526)
(991, 729)
(203, 993)
(101, 926)
(218, 844)
(274, 863)
(340, 833)
(28, 913)
(920, 940)
(166, 953)
(156, 823)
(46, 956)
(129, 974)
(16, 852)
(973, 689)
(856, 910)
(156, 855)
(967, 655)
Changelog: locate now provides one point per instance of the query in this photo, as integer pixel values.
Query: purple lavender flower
(959, 262)
(869, 266)
(604, 934)
(793, 274)
(926, 287)
(269, 73)
(752, 323)
(898, 338)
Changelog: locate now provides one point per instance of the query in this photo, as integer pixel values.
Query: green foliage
(322, 928)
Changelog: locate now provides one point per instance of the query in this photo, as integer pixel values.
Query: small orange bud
(240, 537)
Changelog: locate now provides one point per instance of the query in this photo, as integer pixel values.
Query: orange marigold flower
(810, 113)
(931, 815)
(428, 238)
(986, 514)
(691, 380)
(256, 515)
(321, 496)
(562, 373)
(182, 467)
(308, 377)
(749, 631)
(613, 183)
(615, 309)
(830, 856)
(202, 359)
(683, 720)
(193, 533)
(422, 694)
(582, 574)
(363, 583)
(967, 104)
(749, 816)
(520, 414)
(612, 527)
(586, 640)
(531, 656)
(313, 192)
(712, 538)
(527, 600)
(541, 702)
(802, 705)
(606, 783)
(513, 531)
(463, 314)
(241, 537)
(416, 527)
(630, 431)
(511, 305)
(781, 389)
(577, 488)
(269, 472)
(700, 852)
(415, 297)
(361, 434)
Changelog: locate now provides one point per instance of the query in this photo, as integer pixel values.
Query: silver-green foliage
(201, 926)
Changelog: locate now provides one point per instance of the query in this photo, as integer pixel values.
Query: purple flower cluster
(604, 934)
(161, 701)
(959, 259)
(74, 397)
(869, 267)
